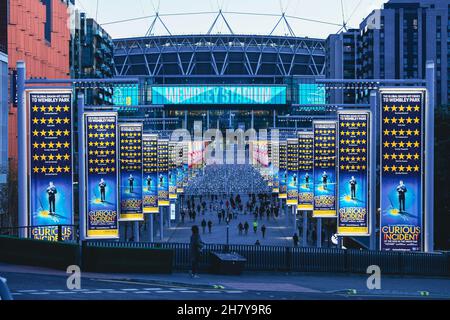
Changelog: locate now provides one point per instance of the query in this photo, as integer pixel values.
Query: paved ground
(29, 283)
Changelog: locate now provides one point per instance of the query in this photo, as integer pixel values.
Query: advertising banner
(353, 174)
(211, 95)
(101, 175)
(172, 171)
(275, 154)
(401, 225)
(163, 173)
(292, 172)
(282, 174)
(305, 171)
(150, 173)
(324, 169)
(131, 172)
(50, 163)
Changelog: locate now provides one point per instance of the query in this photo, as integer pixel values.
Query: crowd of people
(228, 179)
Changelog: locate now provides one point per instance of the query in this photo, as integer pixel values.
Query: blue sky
(323, 10)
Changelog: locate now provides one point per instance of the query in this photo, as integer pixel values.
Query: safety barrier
(298, 259)
(113, 256)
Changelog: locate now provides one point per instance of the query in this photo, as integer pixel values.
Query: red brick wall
(26, 41)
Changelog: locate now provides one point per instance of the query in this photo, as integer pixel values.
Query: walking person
(240, 228)
(203, 225)
(246, 227)
(295, 239)
(209, 226)
(196, 245)
(263, 230)
(255, 226)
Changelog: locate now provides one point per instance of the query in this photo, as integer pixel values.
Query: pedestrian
(295, 238)
(255, 226)
(263, 230)
(209, 226)
(183, 212)
(246, 227)
(257, 243)
(196, 246)
(240, 227)
(203, 225)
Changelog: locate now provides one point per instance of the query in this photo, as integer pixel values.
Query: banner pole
(22, 150)
(136, 231)
(319, 233)
(161, 223)
(305, 228)
(429, 157)
(373, 170)
(81, 168)
(150, 229)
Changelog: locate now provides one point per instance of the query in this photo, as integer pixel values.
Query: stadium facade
(225, 81)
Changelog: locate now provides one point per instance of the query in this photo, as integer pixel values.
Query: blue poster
(150, 173)
(292, 172)
(305, 171)
(131, 172)
(353, 187)
(102, 175)
(324, 169)
(401, 225)
(173, 158)
(50, 127)
(275, 167)
(282, 173)
(163, 173)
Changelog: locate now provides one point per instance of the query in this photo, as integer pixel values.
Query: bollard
(4, 290)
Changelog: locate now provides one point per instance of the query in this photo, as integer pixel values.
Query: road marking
(188, 291)
(233, 291)
(152, 289)
(210, 291)
(129, 289)
(26, 291)
(16, 294)
(40, 293)
(53, 290)
(142, 292)
(66, 292)
(164, 291)
(88, 292)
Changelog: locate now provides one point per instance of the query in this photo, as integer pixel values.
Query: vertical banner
(163, 173)
(150, 173)
(131, 172)
(269, 165)
(275, 152)
(292, 172)
(101, 175)
(282, 174)
(402, 150)
(50, 162)
(180, 168)
(172, 171)
(305, 171)
(353, 174)
(324, 169)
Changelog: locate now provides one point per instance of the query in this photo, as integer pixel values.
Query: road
(30, 283)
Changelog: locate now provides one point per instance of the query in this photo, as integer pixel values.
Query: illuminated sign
(282, 174)
(50, 159)
(311, 93)
(324, 169)
(292, 172)
(353, 174)
(163, 173)
(174, 95)
(126, 95)
(131, 172)
(401, 225)
(150, 173)
(305, 170)
(102, 175)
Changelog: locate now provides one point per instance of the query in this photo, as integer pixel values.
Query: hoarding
(131, 172)
(101, 175)
(353, 174)
(163, 173)
(50, 163)
(150, 173)
(292, 172)
(402, 149)
(324, 169)
(305, 171)
(211, 95)
(126, 95)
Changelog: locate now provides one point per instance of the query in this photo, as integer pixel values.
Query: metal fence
(298, 259)
(60, 233)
